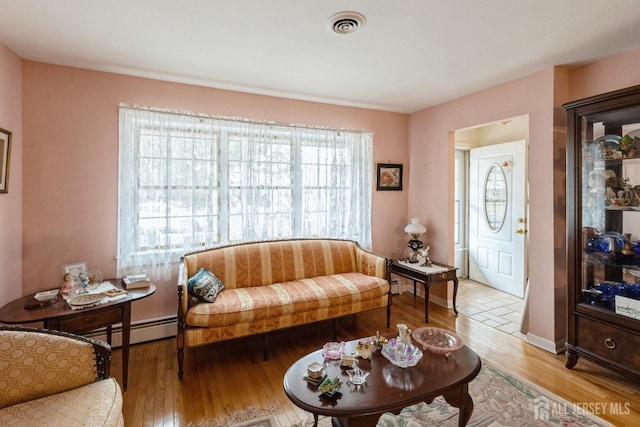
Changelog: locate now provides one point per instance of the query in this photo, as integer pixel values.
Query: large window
(191, 181)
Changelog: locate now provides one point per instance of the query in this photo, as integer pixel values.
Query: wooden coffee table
(61, 317)
(388, 388)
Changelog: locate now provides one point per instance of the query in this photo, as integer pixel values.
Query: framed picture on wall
(5, 154)
(389, 176)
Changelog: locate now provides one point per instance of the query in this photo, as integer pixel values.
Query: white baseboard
(142, 331)
(545, 344)
(407, 286)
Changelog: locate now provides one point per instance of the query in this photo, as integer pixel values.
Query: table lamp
(415, 230)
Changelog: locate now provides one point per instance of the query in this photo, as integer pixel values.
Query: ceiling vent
(346, 22)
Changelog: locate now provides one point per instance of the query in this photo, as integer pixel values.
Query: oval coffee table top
(388, 388)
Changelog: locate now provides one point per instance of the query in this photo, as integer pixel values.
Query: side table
(428, 276)
(61, 317)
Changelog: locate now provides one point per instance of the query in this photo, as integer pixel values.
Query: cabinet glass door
(610, 207)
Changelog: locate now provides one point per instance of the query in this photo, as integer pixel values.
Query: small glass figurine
(357, 376)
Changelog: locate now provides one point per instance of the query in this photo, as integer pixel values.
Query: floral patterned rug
(499, 399)
(249, 417)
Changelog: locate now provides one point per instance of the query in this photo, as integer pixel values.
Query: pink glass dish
(436, 340)
(333, 350)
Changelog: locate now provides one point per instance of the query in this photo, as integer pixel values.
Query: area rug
(249, 417)
(500, 399)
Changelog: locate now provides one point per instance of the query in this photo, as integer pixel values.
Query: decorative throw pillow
(205, 286)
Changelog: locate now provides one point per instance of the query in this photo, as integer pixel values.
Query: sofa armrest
(372, 264)
(183, 294)
(47, 362)
(183, 306)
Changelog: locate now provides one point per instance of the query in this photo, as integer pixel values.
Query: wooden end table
(428, 276)
(61, 317)
(388, 388)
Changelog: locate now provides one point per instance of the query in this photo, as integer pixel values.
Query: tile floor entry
(490, 306)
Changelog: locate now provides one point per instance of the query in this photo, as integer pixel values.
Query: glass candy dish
(95, 277)
(436, 340)
(401, 354)
(357, 376)
(333, 350)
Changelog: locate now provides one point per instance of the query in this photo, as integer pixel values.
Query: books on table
(134, 281)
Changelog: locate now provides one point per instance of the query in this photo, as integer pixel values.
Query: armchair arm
(47, 362)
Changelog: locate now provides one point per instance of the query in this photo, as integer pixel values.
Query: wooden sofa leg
(180, 345)
(180, 361)
(265, 354)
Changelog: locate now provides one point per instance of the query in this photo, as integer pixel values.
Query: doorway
(497, 216)
(491, 207)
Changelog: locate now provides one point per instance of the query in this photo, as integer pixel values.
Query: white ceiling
(410, 55)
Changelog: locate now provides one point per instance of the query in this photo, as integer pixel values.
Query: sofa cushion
(95, 404)
(282, 299)
(265, 263)
(205, 286)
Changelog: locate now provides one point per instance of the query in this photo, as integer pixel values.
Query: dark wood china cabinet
(603, 230)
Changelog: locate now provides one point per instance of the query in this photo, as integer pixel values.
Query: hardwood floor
(226, 377)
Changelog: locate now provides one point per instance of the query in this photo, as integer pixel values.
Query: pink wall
(431, 194)
(617, 72)
(71, 164)
(11, 202)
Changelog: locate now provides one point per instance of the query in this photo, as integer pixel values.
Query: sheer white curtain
(190, 181)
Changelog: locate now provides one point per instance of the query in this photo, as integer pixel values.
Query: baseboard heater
(141, 331)
(395, 286)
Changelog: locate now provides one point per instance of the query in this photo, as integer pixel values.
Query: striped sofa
(279, 284)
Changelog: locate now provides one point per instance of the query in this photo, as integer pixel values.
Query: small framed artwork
(389, 176)
(75, 269)
(5, 154)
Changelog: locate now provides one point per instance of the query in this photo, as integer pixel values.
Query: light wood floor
(226, 377)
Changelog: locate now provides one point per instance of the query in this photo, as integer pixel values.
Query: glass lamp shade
(415, 229)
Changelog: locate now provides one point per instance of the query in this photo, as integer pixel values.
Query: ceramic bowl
(314, 370)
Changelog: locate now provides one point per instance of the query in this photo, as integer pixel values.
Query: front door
(498, 216)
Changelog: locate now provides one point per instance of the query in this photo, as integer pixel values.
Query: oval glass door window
(495, 197)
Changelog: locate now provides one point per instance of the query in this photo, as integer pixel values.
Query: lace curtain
(191, 181)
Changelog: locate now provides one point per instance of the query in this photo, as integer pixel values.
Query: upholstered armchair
(51, 378)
